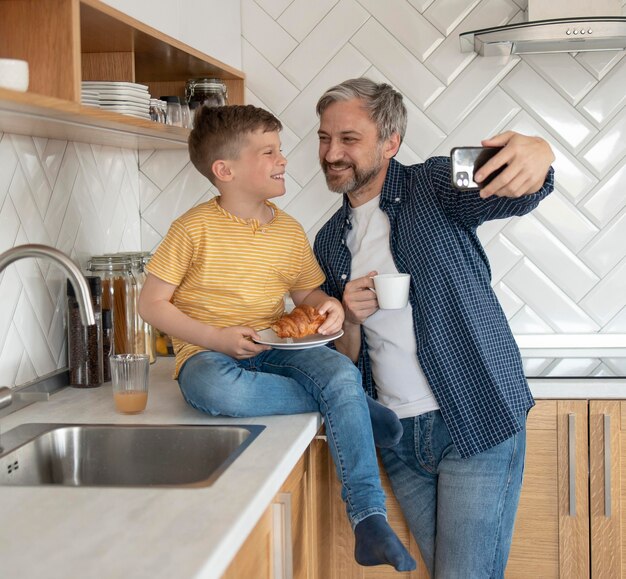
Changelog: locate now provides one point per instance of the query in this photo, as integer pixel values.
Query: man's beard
(360, 177)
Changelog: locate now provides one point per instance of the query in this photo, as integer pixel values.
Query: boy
(220, 275)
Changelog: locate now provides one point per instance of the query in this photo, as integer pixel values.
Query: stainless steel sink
(111, 455)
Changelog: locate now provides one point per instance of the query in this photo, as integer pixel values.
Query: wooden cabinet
(67, 41)
(340, 551)
(290, 538)
(607, 476)
(552, 528)
(255, 557)
(570, 522)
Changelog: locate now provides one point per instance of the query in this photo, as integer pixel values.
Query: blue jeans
(294, 382)
(460, 511)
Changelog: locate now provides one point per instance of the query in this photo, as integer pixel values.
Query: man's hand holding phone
(520, 166)
(528, 160)
(466, 161)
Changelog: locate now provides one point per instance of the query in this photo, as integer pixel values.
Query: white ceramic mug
(392, 290)
(14, 74)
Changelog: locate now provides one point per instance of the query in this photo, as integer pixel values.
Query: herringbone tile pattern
(82, 199)
(560, 270)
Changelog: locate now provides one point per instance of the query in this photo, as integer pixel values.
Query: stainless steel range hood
(555, 26)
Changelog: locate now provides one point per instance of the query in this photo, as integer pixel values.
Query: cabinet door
(551, 537)
(292, 522)
(254, 558)
(535, 548)
(607, 455)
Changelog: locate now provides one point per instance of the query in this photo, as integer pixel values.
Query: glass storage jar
(84, 343)
(118, 295)
(145, 340)
(211, 92)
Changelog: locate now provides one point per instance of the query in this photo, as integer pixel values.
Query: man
(447, 364)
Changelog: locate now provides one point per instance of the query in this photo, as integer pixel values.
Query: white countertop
(61, 532)
(66, 533)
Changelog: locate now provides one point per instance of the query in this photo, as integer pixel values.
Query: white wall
(560, 270)
(211, 26)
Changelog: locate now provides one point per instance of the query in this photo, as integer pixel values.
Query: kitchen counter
(63, 532)
(163, 532)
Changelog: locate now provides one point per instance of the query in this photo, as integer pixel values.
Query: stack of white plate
(127, 98)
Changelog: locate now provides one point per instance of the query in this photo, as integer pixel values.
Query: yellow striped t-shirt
(233, 272)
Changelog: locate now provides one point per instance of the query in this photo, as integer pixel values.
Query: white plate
(269, 338)
(107, 98)
(102, 84)
(125, 109)
(125, 106)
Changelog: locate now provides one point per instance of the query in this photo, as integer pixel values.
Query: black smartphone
(465, 163)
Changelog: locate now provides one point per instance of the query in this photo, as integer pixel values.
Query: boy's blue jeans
(294, 382)
(461, 511)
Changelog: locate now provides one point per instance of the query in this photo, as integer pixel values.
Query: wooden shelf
(43, 116)
(67, 41)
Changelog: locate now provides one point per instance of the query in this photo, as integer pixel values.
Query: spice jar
(84, 343)
(107, 344)
(118, 295)
(211, 92)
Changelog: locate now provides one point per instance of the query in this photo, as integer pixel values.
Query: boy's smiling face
(260, 169)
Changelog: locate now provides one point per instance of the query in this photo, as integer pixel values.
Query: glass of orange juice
(129, 376)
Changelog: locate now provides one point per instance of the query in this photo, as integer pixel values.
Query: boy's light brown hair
(220, 133)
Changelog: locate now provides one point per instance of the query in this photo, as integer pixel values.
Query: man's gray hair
(383, 103)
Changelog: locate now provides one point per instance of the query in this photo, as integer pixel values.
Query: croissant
(302, 321)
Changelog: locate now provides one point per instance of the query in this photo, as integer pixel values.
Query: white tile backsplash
(347, 63)
(323, 42)
(302, 16)
(551, 256)
(538, 97)
(86, 199)
(447, 15)
(447, 61)
(608, 149)
(397, 63)
(607, 199)
(478, 79)
(82, 199)
(270, 38)
(608, 98)
(564, 73)
(266, 81)
(414, 31)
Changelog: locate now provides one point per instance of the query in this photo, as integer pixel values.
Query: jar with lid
(185, 114)
(144, 341)
(211, 92)
(118, 295)
(84, 343)
(193, 108)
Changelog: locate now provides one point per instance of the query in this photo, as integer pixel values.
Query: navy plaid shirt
(464, 343)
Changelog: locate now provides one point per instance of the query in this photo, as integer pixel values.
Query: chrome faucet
(78, 281)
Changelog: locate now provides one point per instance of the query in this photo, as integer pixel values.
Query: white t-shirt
(400, 381)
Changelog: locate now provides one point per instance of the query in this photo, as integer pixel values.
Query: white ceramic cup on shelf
(392, 290)
(14, 74)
